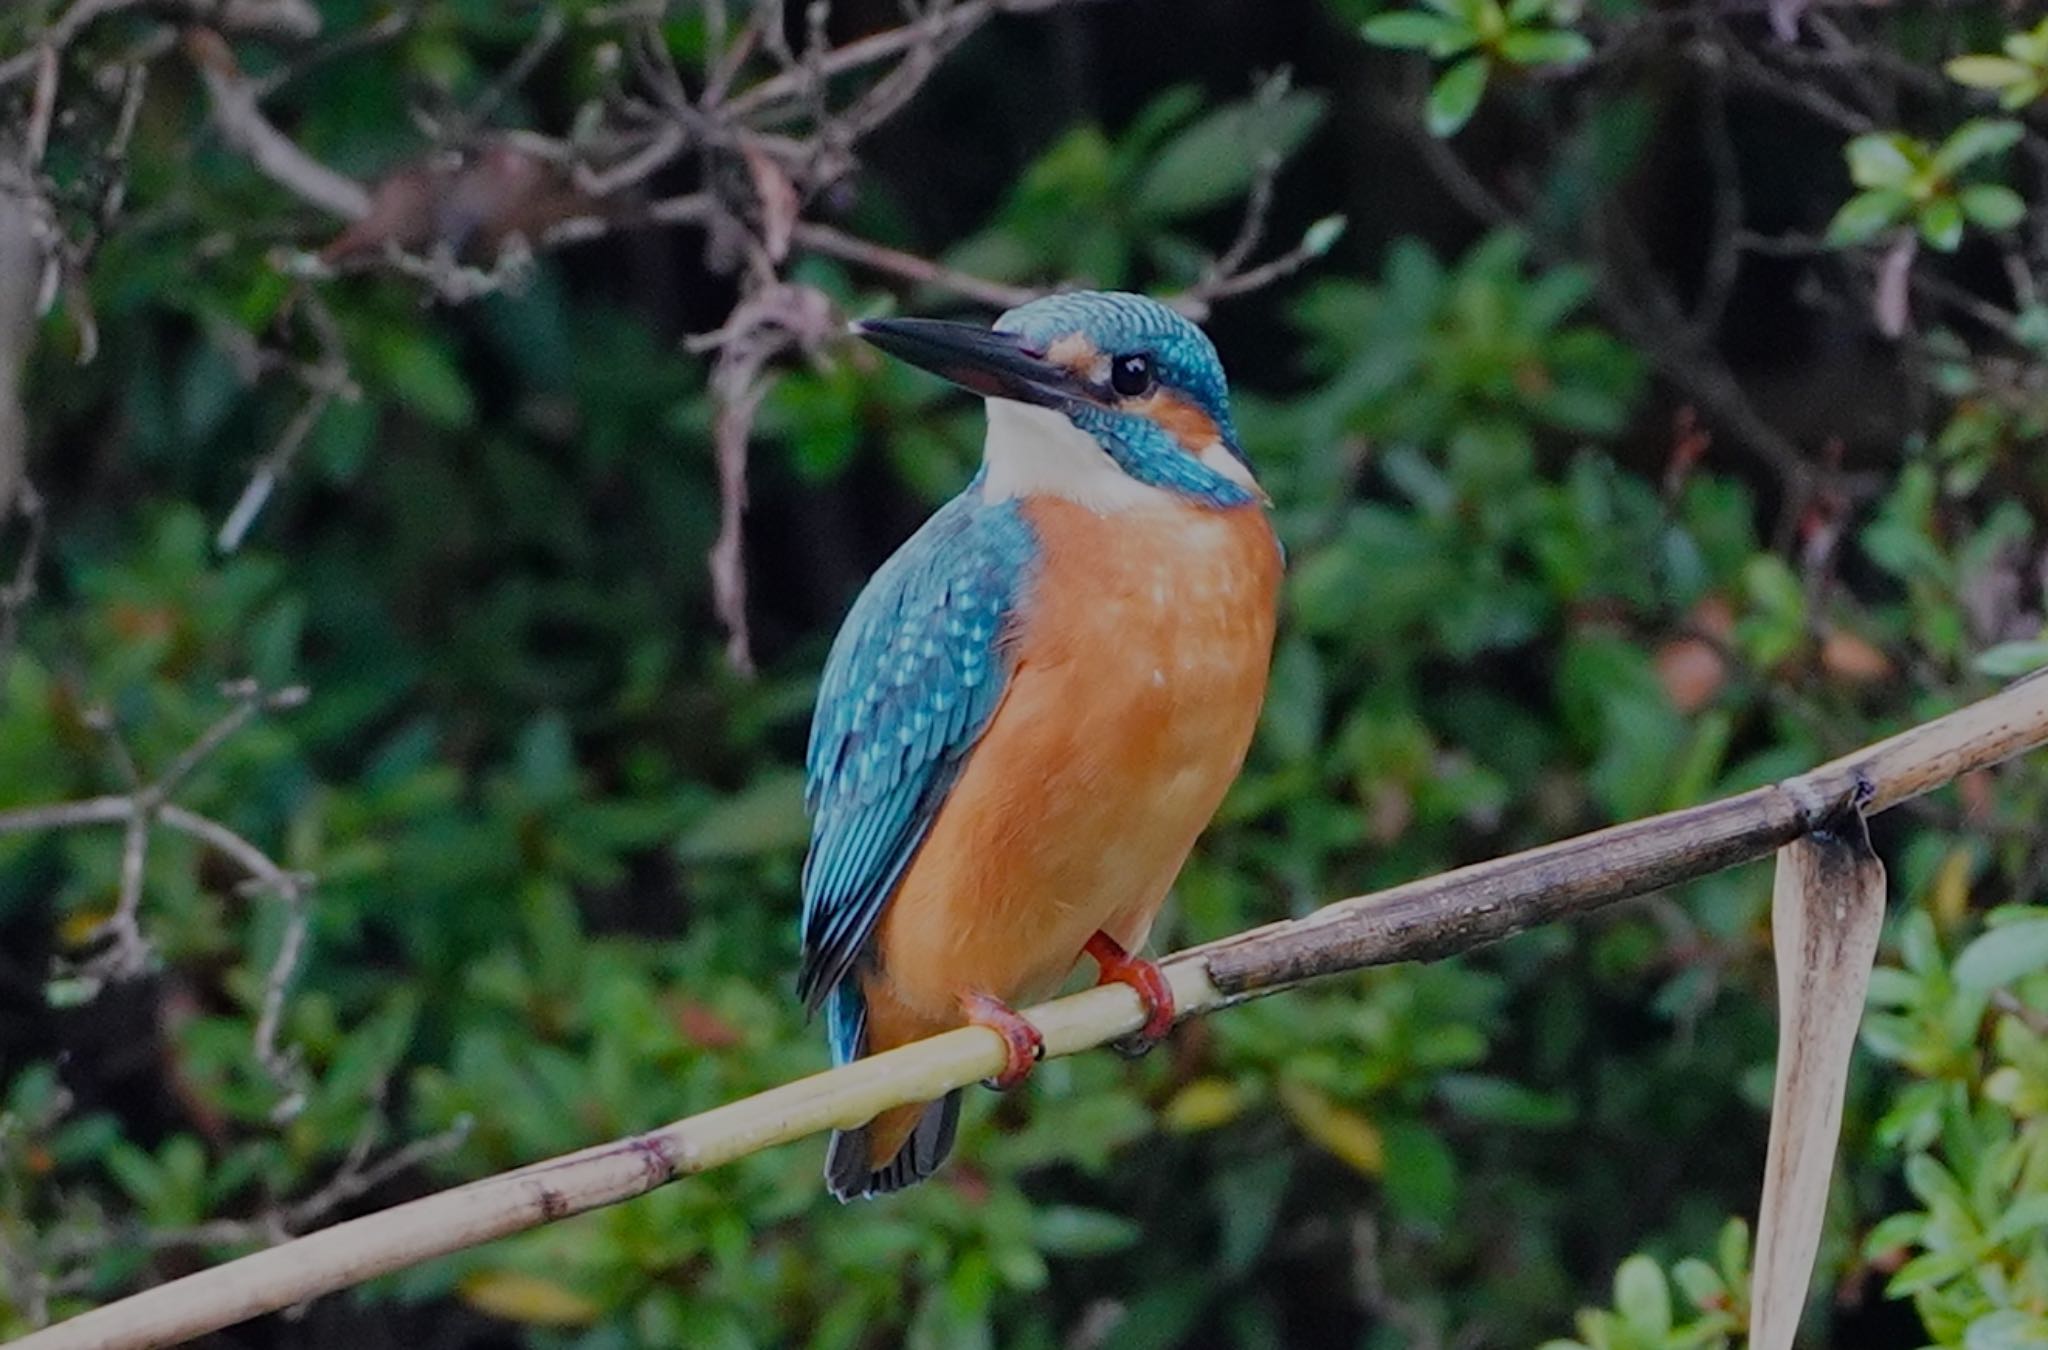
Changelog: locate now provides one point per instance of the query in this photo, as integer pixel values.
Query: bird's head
(1102, 396)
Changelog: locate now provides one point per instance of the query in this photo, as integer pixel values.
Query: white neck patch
(1036, 452)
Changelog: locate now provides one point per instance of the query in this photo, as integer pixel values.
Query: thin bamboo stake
(1423, 920)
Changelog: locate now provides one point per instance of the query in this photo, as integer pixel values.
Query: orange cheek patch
(1194, 429)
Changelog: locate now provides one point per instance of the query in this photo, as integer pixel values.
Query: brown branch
(1454, 912)
(24, 252)
(275, 18)
(834, 243)
(941, 26)
(147, 804)
(241, 121)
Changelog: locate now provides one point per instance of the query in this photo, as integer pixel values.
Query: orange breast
(1141, 667)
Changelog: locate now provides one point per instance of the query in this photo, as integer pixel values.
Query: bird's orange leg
(1025, 1045)
(1118, 966)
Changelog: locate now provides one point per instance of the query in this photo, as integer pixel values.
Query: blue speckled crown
(1118, 322)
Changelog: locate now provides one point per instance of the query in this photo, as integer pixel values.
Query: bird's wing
(913, 680)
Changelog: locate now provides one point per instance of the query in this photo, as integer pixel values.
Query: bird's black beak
(993, 364)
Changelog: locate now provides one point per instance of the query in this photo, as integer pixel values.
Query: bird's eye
(1131, 375)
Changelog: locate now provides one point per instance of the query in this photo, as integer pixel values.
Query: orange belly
(1137, 685)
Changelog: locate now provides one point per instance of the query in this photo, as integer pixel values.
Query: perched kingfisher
(1036, 705)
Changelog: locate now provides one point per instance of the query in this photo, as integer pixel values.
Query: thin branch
(365, 1176)
(1427, 919)
(66, 815)
(940, 26)
(21, 589)
(59, 35)
(241, 120)
(347, 44)
(129, 956)
(835, 243)
(147, 804)
(2028, 1016)
(250, 699)
(269, 471)
(1199, 299)
(545, 37)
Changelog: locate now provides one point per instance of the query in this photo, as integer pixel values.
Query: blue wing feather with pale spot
(913, 679)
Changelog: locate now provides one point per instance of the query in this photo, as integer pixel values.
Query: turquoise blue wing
(913, 679)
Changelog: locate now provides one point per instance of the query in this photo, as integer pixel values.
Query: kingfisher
(1037, 703)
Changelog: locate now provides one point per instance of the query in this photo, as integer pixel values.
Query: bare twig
(43, 105)
(1724, 254)
(1420, 921)
(272, 468)
(1199, 299)
(65, 815)
(24, 253)
(130, 954)
(241, 120)
(545, 37)
(942, 25)
(2028, 1016)
(147, 804)
(346, 44)
(835, 243)
(59, 35)
(21, 588)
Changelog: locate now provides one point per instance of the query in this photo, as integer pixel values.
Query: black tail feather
(850, 1175)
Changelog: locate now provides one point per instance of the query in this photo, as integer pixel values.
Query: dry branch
(1453, 912)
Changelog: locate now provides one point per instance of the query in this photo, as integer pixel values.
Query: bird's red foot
(1026, 1047)
(1119, 966)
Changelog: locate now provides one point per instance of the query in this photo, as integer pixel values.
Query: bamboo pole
(1423, 920)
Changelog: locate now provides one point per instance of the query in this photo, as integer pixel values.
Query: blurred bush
(1551, 567)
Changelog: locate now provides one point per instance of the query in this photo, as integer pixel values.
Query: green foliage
(1479, 38)
(1645, 1316)
(557, 839)
(1910, 181)
(1973, 1130)
(2018, 78)
(1099, 210)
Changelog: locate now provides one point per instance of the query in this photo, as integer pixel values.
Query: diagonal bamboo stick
(1423, 920)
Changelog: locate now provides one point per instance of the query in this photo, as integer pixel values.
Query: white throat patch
(1036, 452)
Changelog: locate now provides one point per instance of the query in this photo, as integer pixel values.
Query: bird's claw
(1023, 1042)
(1119, 967)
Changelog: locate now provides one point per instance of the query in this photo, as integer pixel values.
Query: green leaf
(421, 373)
(1070, 1230)
(763, 818)
(1456, 94)
(1731, 1252)
(2002, 955)
(1545, 47)
(1880, 160)
(1643, 1297)
(1865, 216)
(1986, 72)
(2007, 1329)
(1976, 139)
(1322, 236)
(2009, 660)
(1941, 223)
(1420, 32)
(1217, 157)
(1699, 1282)
(1993, 206)
(1422, 1175)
